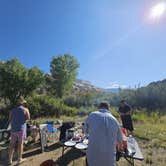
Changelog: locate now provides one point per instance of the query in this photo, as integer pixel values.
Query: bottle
(131, 145)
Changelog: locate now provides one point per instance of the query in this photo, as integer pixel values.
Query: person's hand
(119, 147)
(122, 114)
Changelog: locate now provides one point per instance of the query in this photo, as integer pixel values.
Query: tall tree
(64, 71)
(17, 81)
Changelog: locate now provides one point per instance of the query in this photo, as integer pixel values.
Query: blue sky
(112, 39)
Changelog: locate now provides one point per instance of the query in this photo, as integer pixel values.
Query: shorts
(18, 136)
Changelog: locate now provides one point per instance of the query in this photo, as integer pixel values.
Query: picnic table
(135, 156)
(83, 145)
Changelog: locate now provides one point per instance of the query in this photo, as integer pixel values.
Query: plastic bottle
(131, 145)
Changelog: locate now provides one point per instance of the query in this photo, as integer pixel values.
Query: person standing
(104, 134)
(125, 114)
(17, 118)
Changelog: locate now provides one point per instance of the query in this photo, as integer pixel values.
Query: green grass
(151, 127)
(148, 126)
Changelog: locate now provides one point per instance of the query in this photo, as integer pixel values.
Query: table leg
(130, 161)
(63, 148)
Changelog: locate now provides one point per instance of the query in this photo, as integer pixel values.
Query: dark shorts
(127, 122)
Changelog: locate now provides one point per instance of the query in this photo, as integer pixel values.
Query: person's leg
(12, 146)
(20, 150)
(21, 139)
(86, 162)
(11, 151)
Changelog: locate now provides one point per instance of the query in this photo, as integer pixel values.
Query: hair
(104, 105)
(21, 101)
(123, 101)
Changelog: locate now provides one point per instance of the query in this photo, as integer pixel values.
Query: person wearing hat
(104, 133)
(17, 118)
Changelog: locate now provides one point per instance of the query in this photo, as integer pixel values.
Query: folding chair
(51, 130)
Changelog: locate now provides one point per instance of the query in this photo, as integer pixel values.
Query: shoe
(21, 161)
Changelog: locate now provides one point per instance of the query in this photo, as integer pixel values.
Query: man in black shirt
(125, 114)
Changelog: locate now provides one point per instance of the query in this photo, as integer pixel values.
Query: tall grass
(151, 126)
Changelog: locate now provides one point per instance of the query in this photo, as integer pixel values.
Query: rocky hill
(81, 85)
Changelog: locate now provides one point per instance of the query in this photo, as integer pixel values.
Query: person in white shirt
(104, 134)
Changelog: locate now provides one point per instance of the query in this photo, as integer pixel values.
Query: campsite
(82, 83)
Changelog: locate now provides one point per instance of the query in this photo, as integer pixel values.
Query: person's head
(104, 105)
(123, 103)
(22, 102)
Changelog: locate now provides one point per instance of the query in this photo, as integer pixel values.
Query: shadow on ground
(69, 156)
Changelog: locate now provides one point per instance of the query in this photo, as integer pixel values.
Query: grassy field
(150, 132)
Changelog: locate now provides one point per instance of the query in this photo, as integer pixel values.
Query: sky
(115, 41)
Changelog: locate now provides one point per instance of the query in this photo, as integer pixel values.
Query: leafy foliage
(42, 105)
(80, 99)
(17, 81)
(63, 70)
(151, 97)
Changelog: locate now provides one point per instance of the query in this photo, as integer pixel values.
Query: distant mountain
(81, 85)
(116, 90)
(157, 83)
(112, 90)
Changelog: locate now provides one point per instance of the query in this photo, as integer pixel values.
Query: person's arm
(10, 116)
(121, 114)
(27, 114)
(119, 139)
(86, 127)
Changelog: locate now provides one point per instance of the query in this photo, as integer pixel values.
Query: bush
(42, 105)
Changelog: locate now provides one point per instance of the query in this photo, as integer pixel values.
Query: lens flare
(158, 10)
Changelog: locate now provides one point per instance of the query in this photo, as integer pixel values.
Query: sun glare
(158, 10)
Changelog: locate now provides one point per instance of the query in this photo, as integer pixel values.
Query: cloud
(115, 85)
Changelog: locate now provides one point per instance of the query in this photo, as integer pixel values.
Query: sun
(158, 10)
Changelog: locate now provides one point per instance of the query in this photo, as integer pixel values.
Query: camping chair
(63, 130)
(51, 130)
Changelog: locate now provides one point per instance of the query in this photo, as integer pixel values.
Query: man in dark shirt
(125, 114)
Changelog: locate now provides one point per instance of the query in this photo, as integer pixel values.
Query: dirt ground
(71, 157)
(74, 157)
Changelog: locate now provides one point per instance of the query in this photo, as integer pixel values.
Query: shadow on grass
(68, 157)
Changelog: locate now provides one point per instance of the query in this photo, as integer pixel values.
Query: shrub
(42, 105)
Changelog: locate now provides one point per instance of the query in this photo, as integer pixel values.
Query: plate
(85, 141)
(69, 143)
(81, 146)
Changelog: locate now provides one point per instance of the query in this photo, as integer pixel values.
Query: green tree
(64, 71)
(17, 81)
